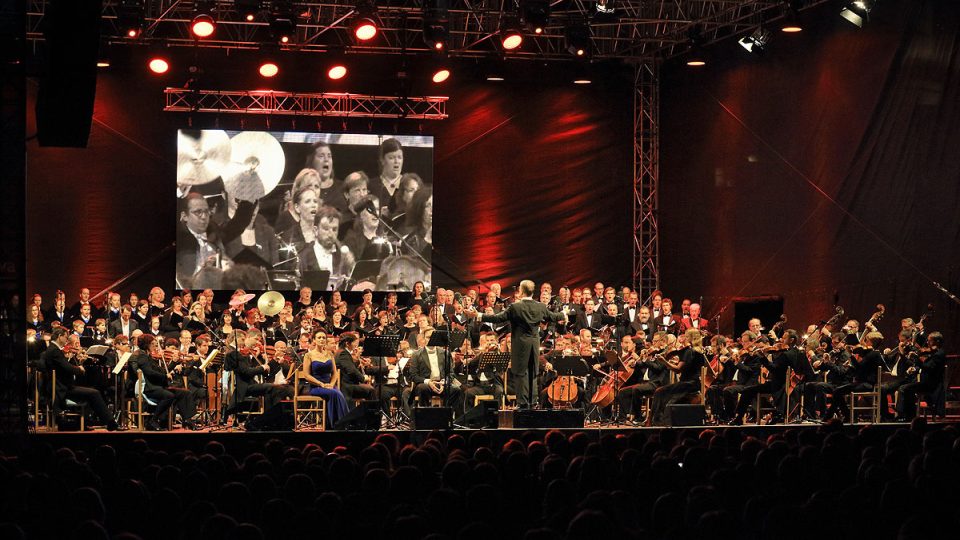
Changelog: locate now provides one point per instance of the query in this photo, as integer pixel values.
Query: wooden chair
(70, 404)
(250, 405)
(307, 408)
(873, 400)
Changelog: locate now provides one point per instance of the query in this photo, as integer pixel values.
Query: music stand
(570, 366)
(448, 339)
(382, 346)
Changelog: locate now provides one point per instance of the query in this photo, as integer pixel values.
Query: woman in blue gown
(320, 371)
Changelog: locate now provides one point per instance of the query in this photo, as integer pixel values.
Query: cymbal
(241, 299)
(271, 303)
(201, 160)
(255, 167)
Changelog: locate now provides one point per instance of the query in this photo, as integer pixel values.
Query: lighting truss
(646, 180)
(339, 105)
(638, 29)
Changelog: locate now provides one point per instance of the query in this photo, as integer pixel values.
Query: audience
(825, 482)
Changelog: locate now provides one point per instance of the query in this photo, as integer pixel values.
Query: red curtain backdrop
(823, 171)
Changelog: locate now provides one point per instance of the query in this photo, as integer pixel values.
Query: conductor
(524, 317)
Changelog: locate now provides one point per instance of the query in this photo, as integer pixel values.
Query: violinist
(784, 356)
(353, 382)
(280, 362)
(249, 368)
(743, 366)
(898, 361)
(157, 376)
(688, 363)
(835, 363)
(648, 375)
(931, 363)
(865, 361)
(54, 359)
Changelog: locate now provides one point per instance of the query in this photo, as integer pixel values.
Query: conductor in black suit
(524, 317)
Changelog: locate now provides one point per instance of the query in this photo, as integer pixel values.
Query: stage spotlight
(364, 25)
(283, 21)
(510, 36)
(441, 74)
(337, 71)
(605, 6)
(536, 14)
(578, 40)
(757, 41)
(248, 9)
(858, 12)
(695, 57)
(582, 80)
(436, 22)
(130, 17)
(791, 19)
(158, 65)
(269, 69)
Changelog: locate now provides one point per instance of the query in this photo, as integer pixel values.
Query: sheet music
(211, 356)
(121, 363)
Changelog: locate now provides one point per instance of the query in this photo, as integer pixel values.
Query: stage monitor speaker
(681, 414)
(535, 419)
(363, 417)
(276, 418)
(426, 418)
(71, 31)
(484, 415)
(766, 308)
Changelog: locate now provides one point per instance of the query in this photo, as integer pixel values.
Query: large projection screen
(282, 210)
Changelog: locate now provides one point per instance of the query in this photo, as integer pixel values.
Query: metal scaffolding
(646, 180)
(635, 29)
(271, 102)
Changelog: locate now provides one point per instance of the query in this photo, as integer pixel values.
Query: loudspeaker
(71, 31)
(432, 418)
(682, 414)
(534, 419)
(364, 417)
(276, 418)
(484, 415)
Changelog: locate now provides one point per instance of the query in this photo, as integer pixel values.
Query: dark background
(824, 171)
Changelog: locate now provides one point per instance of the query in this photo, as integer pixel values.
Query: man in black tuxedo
(199, 239)
(932, 368)
(157, 378)
(246, 369)
(54, 360)
(776, 380)
(429, 368)
(326, 252)
(353, 383)
(647, 376)
(525, 317)
(589, 318)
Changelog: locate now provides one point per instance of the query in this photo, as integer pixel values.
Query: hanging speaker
(71, 31)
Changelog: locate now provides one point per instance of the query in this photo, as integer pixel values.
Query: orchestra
(206, 362)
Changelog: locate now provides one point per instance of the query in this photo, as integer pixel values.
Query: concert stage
(238, 440)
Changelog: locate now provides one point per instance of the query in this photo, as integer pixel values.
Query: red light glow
(366, 31)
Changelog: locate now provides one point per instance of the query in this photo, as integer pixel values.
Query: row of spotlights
(268, 69)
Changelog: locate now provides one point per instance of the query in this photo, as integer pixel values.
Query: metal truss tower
(646, 179)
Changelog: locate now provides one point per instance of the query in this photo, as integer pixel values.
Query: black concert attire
(53, 359)
(480, 383)
(352, 381)
(775, 383)
(388, 380)
(246, 369)
(524, 317)
(740, 375)
(864, 379)
(838, 373)
(932, 369)
(53, 315)
(646, 378)
(158, 388)
(590, 321)
(191, 246)
(898, 361)
(691, 363)
(422, 370)
(668, 323)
